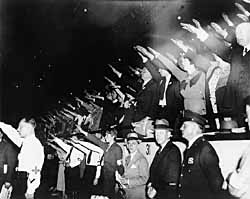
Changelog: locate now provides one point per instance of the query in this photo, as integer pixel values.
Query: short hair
(112, 132)
(29, 120)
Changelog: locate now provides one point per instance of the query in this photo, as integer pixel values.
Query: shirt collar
(132, 154)
(246, 49)
(162, 147)
(190, 143)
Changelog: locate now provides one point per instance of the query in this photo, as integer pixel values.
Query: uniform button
(179, 185)
(181, 174)
(189, 171)
(183, 165)
(179, 196)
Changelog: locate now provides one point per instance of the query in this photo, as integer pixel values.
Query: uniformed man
(201, 176)
(30, 157)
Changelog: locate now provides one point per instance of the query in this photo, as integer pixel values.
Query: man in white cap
(30, 158)
(165, 168)
(136, 169)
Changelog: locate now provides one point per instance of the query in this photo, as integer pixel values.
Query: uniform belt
(22, 173)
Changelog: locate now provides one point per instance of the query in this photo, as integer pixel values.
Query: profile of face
(242, 34)
(145, 74)
(109, 137)
(187, 65)
(25, 129)
(188, 128)
(132, 145)
(162, 135)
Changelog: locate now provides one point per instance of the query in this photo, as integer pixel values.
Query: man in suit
(112, 160)
(165, 168)
(201, 176)
(136, 169)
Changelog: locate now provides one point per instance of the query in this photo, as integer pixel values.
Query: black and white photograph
(124, 99)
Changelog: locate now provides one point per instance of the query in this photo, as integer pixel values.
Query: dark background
(52, 50)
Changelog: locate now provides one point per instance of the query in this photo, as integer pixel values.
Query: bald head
(242, 34)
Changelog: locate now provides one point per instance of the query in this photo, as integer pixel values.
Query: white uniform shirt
(31, 156)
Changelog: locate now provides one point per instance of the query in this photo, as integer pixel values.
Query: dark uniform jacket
(8, 156)
(201, 176)
(165, 171)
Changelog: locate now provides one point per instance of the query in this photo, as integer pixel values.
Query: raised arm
(11, 133)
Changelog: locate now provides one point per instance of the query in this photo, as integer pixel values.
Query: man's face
(145, 74)
(162, 135)
(187, 65)
(24, 129)
(108, 137)
(242, 34)
(187, 129)
(132, 145)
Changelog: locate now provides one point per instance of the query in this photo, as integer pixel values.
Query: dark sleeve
(153, 71)
(120, 168)
(11, 159)
(171, 176)
(210, 164)
(97, 141)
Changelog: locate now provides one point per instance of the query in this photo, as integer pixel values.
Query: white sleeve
(63, 145)
(12, 134)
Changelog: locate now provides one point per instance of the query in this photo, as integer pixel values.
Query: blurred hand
(246, 1)
(124, 181)
(144, 52)
(151, 192)
(242, 9)
(227, 20)
(181, 45)
(200, 33)
(243, 17)
(95, 182)
(154, 52)
(219, 30)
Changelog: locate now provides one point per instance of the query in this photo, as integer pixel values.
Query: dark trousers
(20, 185)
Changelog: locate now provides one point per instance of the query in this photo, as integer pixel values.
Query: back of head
(242, 34)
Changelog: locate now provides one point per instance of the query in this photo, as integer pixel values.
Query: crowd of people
(171, 98)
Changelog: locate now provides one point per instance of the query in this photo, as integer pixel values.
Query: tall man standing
(30, 158)
(201, 176)
(165, 168)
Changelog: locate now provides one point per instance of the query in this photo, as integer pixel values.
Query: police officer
(201, 176)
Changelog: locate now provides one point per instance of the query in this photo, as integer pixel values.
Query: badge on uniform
(191, 160)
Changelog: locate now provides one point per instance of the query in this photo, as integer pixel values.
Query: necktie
(244, 51)
(128, 160)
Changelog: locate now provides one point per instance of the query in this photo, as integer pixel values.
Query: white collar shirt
(246, 49)
(31, 156)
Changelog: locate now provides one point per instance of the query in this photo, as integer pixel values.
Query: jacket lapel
(134, 159)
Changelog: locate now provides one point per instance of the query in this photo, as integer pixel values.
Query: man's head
(145, 74)
(26, 127)
(193, 125)
(110, 135)
(186, 64)
(242, 34)
(132, 142)
(162, 131)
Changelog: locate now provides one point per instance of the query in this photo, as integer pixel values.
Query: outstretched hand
(201, 34)
(222, 32)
